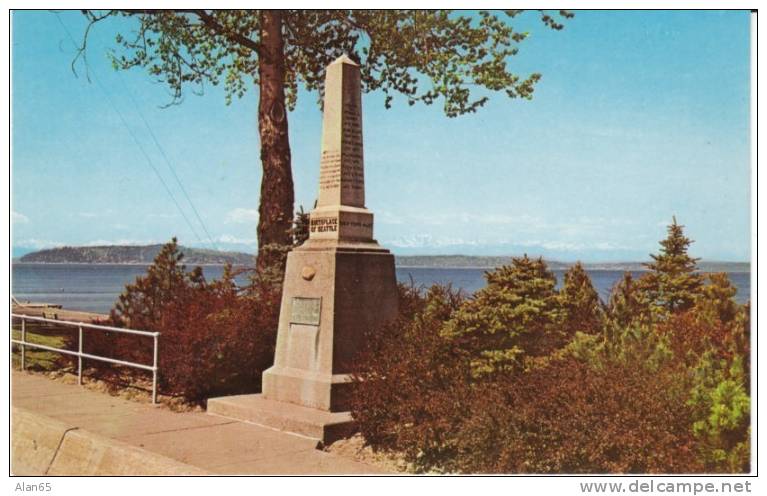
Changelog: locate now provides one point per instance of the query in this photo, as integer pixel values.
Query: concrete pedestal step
(323, 426)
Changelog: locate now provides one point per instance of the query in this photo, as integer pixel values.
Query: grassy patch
(36, 358)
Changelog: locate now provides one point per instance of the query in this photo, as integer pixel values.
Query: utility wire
(168, 163)
(135, 138)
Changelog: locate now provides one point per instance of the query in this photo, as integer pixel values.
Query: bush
(215, 339)
(568, 417)
(418, 397)
(217, 342)
(712, 340)
(403, 399)
(722, 416)
(521, 378)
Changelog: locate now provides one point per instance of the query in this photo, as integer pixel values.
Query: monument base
(307, 390)
(325, 392)
(325, 427)
(352, 287)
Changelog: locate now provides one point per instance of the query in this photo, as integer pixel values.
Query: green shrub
(516, 316)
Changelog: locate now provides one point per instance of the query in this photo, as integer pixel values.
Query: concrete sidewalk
(213, 444)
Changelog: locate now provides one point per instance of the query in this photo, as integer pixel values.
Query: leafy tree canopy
(423, 55)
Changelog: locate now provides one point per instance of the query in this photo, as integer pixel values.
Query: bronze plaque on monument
(305, 311)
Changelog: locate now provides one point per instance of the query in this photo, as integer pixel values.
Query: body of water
(95, 288)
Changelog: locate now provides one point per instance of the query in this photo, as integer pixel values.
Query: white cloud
(38, 244)
(606, 245)
(242, 216)
(447, 242)
(41, 244)
(385, 217)
(417, 241)
(19, 218)
(562, 246)
(122, 242)
(429, 241)
(451, 219)
(495, 219)
(228, 238)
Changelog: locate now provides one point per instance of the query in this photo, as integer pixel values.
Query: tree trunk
(276, 205)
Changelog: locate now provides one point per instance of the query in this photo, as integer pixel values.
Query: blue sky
(639, 116)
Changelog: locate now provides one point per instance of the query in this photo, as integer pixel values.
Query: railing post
(80, 355)
(24, 344)
(23, 340)
(154, 372)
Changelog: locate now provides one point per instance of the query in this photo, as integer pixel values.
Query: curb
(41, 445)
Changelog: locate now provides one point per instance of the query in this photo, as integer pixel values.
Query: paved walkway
(214, 444)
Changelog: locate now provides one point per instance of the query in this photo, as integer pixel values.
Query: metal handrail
(91, 326)
(23, 343)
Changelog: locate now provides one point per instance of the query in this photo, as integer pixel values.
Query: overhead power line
(135, 138)
(169, 164)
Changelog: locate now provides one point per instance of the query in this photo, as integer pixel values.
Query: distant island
(144, 255)
(132, 255)
(490, 262)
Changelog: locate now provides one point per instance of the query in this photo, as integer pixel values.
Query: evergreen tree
(300, 231)
(627, 302)
(274, 256)
(582, 310)
(672, 284)
(716, 299)
(515, 316)
(141, 304)
(722, 414)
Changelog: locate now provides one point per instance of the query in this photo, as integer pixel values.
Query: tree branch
(213, 24)
(81, 48)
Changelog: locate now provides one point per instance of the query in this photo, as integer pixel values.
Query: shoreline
(736, 267)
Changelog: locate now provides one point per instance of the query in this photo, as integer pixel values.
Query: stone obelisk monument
(339, 284)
